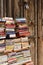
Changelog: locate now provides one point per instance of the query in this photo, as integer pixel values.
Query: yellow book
(25, 45)
(9, 48)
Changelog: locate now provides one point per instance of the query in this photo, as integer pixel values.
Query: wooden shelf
(6, 52)
(23, 62)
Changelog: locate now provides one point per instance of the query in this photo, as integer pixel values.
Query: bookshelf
(17, 48)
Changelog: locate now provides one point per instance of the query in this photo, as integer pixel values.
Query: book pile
(3, 60)
(19, 57)
(2, 29)
(10, 27)
(2, 45)
(9, 45)
(22, 27)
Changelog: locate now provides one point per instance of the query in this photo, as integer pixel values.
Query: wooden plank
(40, 43)
(31, 7)
(16, 9)
(10, 11)
(4, 8)
(1, 8)
(35, 32)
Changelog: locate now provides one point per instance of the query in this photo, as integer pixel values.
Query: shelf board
(21, 49)
(23, 62)
(6, 52)
(17, 37)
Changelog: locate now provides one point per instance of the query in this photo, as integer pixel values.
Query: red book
(10, 25)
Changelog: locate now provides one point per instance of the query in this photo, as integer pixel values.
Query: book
(17, 46)
(2, 41)
(9, 45)
(17, 40)
(2, 46)
(2, 30)
(24, 39)
(4, 63)
(12, 58)
(24, 33)
(10, 34)
(26, 53)
(25, 45)
(20, 20)
(3, 58)
(10, 25)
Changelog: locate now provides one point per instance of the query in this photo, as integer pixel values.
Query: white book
(2, 37)
(10, 29)
(24, 39)
(2, 49)
(4, 64)
(12, 35)
(17, 46)
(3, 58)
(1, 41)
(17, 40)
(26, 53)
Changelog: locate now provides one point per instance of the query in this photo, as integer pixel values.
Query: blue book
(2, 45)
(10, 32)
(23, 20)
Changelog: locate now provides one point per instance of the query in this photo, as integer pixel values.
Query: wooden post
(35, 32)
(1, 8)
(16, 9)
(40, 43)
(4, 8)
(31, 15)
(10, 11)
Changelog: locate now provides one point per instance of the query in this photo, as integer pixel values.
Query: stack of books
(25, 43)
(10, 27)
(9, 45)
(2, 29)
(22, 27)
(2, 45)
(3, 58)
(17, 44)
(19, 57)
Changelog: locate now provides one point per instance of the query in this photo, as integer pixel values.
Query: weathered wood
(4, 8)
(35, 32)
(31, 16)
(10, 9)
(16, 9)
(40, 43)
(1, 8)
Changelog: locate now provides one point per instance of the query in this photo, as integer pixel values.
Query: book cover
(25, 45)
(9, 45)
(3, 58)
(26, 53)
(17, 46)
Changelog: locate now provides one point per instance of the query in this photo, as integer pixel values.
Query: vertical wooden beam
(40, 43)
(25, 10)
(16, 9)
(10, 13)
(7, 8)
(4, 8)
(1, 8)
(31, 15)
(35, 32)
